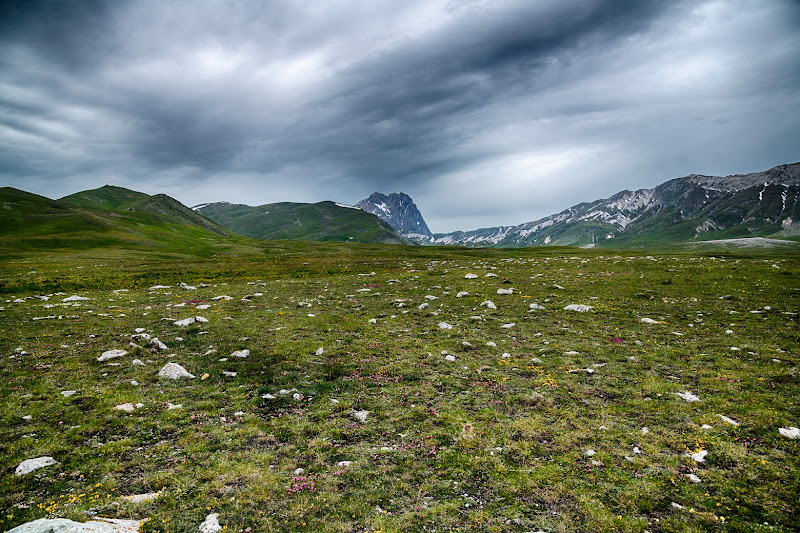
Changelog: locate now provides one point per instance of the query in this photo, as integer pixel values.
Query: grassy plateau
(382, 393)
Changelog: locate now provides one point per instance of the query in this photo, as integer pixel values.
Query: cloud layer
(485, 112)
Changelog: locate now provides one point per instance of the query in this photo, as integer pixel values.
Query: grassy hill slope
(322, 221)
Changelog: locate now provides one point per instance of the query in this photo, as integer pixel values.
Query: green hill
(106, 217)
(323, 221)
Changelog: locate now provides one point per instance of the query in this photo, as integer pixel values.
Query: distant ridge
(689, 209)
(322, 221)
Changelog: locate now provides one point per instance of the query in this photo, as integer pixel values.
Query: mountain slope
(399, 211)
(322, 221)
(105, 217)
(688, 209)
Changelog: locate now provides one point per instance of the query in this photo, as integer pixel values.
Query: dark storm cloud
(486, 112)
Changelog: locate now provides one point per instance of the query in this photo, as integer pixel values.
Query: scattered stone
(676, 505)
(127, 407)
(578, 308)
(171, 406)
(156, 287)
(137, 362)
(693, 478)
(27, 417)
(645, 431)
(505, 291)
(319, 351)
(75, 298)
(373, 320)
(729, 420)
(189, 321)
(68, 393)
(509, 325)
(139, 498)
(344, 463)
(422, 306)
(470, 276)
(790, 432)
(706, 426)
(240, 353)
(62, 525)
(449, 358)
(489, 304)
(157, 344)
(361, 416)
(699, 457)
(211, 524)
(268, 396)
(462, 294)
(536, 307)
(505, 355)
(490, 275)
(229, 374)
(28, 466)
(112, 354)
(688, 396)
(492, 344)
(649, 321)
(174, 371)
(445, 325)
(589, 453)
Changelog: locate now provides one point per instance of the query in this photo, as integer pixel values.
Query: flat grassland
(409, 403)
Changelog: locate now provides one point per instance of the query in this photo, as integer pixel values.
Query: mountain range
(692, 208)
(399, 211)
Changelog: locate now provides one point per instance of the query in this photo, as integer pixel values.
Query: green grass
(484, 443)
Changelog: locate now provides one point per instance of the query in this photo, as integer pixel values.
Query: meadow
(390, 388)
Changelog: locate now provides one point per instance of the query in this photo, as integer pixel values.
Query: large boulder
(174, 371)
(26, 467)
(62, 525)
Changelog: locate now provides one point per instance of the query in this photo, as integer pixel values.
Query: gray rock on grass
(210, 524)
(112, 354)
(28, 466)
(62, 525)
(174, 371)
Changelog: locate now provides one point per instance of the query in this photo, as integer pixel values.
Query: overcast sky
(486, 112)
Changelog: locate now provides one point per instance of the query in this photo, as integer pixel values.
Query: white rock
(693, 478)
(430, 297)
(706, 426)
(470, 276)
(688, 396)
(189, 321)
(27, 417)
(373, 320)
(490, 275)
(509, 325)
(240, 353)
(589, 453)
(790, 432)
(174, 371)
(536, 307)
(68, 393)
(268, 396)
(62, 525)
(449, 358)
(127, 407)
(112, 354)
(445, 325)
(171, 406)
(344, 463)
(137, 362)
(140, 337)
(506, 355)
(202, 307)
(297, 396)
(75, 298)
(422, 306)
(28, 466)
(489, 304)
(648, 321)
(361, 416)
(229, 374)
(462, 294)
(505, 291)
(156, 287)
(139, 498)
(140, 330)
(676, 505)
(157, 344)
(729, 420)
(636, 450)
(645, 431)
(699, 457)
(210, 524)
(578, 308)
(492, 344)
(298, 471)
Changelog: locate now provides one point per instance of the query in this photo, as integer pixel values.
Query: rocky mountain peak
(398, 210)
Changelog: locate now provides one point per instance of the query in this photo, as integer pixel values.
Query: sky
(486, 113)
